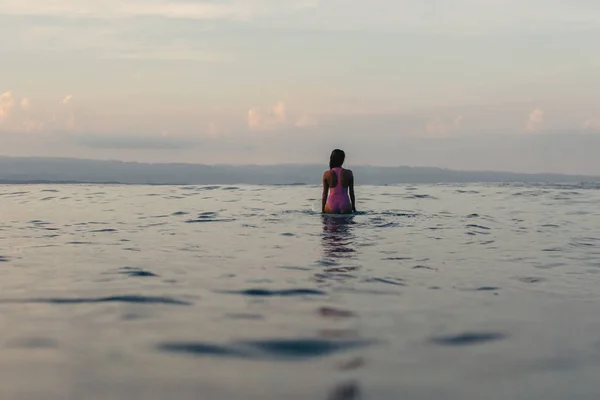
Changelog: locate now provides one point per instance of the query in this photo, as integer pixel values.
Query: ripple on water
(530, 279)
(330, 312)
(468, 338)
(111, 299)
(136, 272)
(419, 196)
(388, 281)
(39, 222)
(473, 226)
(4, 259)
(550, 265)
(585, 242)
(278, 293)
(424, 267)
(283, 349)
(553, 250)
(206, 219)
(486, 289)
(178, 213)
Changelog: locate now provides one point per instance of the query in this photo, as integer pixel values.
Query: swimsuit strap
(338, 186)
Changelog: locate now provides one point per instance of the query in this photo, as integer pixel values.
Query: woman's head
(337, 158)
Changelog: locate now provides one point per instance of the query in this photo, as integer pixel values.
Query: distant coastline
(41, 170)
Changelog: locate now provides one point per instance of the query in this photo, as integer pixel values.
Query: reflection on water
(338, 236)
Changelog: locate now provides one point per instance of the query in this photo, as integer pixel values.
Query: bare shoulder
(349, 173)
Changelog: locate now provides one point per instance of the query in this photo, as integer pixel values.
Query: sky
(474, 84)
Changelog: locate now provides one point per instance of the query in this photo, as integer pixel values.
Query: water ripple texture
(460, 292)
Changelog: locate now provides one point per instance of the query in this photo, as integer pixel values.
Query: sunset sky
(474, 84)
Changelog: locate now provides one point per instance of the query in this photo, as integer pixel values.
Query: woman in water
(338, 186)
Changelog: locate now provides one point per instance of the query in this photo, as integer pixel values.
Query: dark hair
(337, 158)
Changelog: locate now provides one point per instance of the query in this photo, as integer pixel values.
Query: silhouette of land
(39, 170)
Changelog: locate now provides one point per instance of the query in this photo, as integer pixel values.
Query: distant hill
(71, 170)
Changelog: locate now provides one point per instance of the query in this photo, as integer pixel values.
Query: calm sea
(216, 292)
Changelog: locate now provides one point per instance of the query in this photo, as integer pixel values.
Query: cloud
(535, 121)
(276, 117)
(16, 119)
(67, 99)
(592, 124)
(17, 115)
(7, 102)
(266, 119)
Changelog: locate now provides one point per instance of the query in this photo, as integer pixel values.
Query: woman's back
(338, 182)
(338, 186)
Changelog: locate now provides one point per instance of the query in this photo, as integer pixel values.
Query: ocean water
(245, 292)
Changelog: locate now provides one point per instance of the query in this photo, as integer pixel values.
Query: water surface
(237, 292)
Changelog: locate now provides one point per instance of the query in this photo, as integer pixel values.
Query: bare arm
(325, 192)
(351, 190)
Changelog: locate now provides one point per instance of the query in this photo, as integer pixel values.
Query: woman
(337, 182)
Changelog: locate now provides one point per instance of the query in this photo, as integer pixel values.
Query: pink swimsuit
(338, 200)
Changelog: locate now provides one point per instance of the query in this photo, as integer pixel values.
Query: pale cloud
(14, 119)
(265, 119)
(277, 117)
(535, 120)
(7, 102)
(29, 125)
(592, 124)
(18, 116)
(67, 99)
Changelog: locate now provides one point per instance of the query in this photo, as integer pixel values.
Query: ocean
(248, 292)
